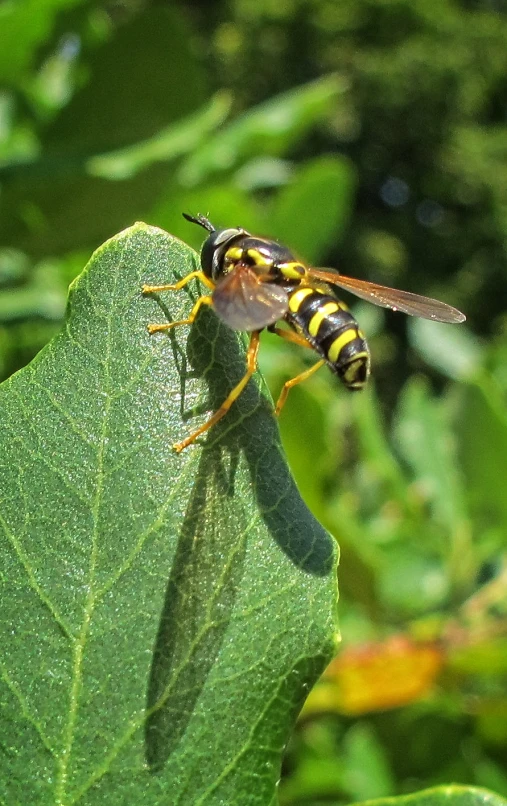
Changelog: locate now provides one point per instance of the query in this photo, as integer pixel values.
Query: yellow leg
(288, 335)
(154, 289)
(294, 381)
(251, 366)
(205, 300)
(295, 338)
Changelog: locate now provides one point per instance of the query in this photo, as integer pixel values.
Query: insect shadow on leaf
(216, 526)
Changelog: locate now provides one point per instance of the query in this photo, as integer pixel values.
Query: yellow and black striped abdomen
(332, 331)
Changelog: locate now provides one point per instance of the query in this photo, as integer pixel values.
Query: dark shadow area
(201, 590)
(199, 594)
(250, 427)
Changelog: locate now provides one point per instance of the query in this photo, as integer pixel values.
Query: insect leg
(204, 300)
(296, 338)
(251, 366)
(288, 335)
(294, 381)
(153, 289)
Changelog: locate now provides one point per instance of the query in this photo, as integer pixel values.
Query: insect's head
(216, 245)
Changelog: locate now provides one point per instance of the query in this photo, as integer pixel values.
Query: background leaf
(23, 28)
(326, 187)
(450, 795)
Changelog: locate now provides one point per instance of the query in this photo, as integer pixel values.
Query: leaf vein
(15, 690)
(90, 599)
(34, 584)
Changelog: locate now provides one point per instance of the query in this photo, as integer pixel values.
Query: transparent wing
(413, 304)
(244, 302)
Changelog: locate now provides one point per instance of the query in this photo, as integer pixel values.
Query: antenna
(201, 220)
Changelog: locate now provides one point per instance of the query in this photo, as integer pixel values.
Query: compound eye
(213, 247)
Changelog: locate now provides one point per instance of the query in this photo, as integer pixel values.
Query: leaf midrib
(95, 596)
(80, 643)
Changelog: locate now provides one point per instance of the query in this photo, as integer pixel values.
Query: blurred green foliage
(369, 135)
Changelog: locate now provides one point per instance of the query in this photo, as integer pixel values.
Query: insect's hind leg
(204, 300)
(251, 366)
(288, 335)
(293, 382)
(295, 338)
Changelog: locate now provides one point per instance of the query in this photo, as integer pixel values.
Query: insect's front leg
(155, 289)
(204, 300)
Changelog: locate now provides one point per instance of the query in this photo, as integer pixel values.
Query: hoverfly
(255, 283)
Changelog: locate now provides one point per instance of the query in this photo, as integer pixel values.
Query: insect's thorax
(273, 262)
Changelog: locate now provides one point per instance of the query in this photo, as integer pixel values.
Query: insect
(254, 283)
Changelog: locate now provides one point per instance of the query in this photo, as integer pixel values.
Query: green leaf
(53, 205)
(483, 451)
(163, 615)
(451, 795)
(455, 351)
(179, 138)
(270, 128)
(142, 79)
(366, 764)
(23, 28)
(426, 442)
(325, 186)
